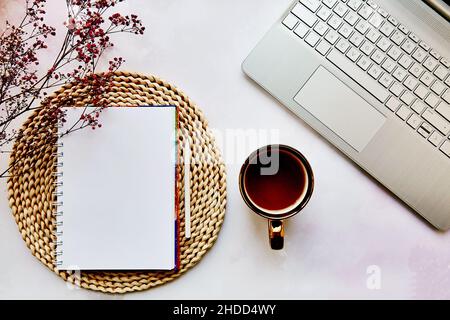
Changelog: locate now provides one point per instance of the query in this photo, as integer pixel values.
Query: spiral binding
(58, 202)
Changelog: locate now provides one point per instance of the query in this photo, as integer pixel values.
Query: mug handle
(276, 234)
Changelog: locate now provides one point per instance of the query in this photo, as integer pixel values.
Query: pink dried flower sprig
(89, 30)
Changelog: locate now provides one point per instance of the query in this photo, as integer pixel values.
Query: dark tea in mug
(276, 182)
(276, 190)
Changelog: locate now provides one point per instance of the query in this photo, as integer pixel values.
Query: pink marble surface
(354, 240)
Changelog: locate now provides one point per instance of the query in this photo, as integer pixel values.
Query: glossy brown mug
(276, 182)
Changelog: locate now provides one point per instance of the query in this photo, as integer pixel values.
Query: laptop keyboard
(385, 57)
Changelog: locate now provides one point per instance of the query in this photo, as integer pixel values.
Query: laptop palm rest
(339, 108)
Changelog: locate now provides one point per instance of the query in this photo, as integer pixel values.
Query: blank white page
(118, 188)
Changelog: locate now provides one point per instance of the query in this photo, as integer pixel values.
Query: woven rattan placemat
(31, 182)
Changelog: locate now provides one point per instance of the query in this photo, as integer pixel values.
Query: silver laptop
(372, 78)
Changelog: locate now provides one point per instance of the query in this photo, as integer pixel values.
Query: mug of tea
(276, 182)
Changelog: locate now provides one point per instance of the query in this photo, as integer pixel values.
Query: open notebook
(116, 206)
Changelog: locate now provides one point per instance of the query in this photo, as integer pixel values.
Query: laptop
(373, 79)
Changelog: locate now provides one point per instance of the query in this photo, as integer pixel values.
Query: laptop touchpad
(339, 108)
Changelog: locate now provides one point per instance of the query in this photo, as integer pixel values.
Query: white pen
(187, 189)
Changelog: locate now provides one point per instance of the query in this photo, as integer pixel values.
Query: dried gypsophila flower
(88, 36)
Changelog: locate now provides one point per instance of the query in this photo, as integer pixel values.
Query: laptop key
(301, 30)
(403, 113)
(445, 62)
(445, 148)
(342, 45)
(394, 52)
(340, 9)
(444, 110)
(400, 74)
(345, 30)
(335, 22)
(438, 88)
(367, 48)
(407, 97)
(396, 89)
(353, 54)
(372, 4)
(430, 63)
(427, 79)
(388, 65)
(383, 44)
(386, 80)
(441, 72)
(411, 83)
(435, 138)
(416, 70)
(405, 61)
(435, 54)
(331, 36)
(304, 14)
(392, 20)
(446, 95)
(365, 11)
(387, 28)
(290, 21)
(424, 45)
(421, 91)
(312, 5)
(321, 28)
(329, 3)
(414, 37)
(324, 13)
(362, 26)
(408, 46)
(383, 12)
(376, 20)
(419, 55)
(432, 100)
(403, 29)
(351, 17)
(364, 63)
(418, 106)
(375, 71)
(356, 39)
(397, 37)
(373, 35)
(323, 47)
(437, 121)
(393, 104)
(414, 121)
(378, 56)
(312, 38)
(354, 4)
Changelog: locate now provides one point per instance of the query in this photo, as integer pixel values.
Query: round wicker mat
(31, 182)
